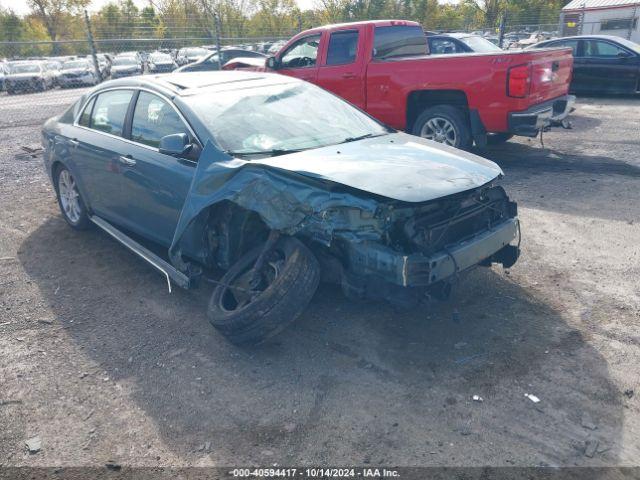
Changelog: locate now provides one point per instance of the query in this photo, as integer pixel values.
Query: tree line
(63, 20)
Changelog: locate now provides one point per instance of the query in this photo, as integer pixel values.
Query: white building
(602, 17)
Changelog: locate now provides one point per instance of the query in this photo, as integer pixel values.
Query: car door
(96, 151)
(609, 67)
(341, 72)
(299, 60)
(154, 185)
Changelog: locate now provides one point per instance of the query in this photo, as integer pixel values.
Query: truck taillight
(519, 81)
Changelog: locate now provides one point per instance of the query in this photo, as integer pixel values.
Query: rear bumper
(529, 122)
(418, 270)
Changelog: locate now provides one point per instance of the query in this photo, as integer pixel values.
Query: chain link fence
(47, 76)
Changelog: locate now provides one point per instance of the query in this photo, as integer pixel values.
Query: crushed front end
(406, 248)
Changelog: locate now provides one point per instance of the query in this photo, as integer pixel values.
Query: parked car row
(278, 182)
(74, 71)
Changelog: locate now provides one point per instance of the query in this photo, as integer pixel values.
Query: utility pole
(633, 23)
(582, 15)
(92, 45)
(503, 25)
(216, 19)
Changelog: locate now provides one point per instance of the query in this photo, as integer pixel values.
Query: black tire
(498, 138)
(83, 222)
(277, 306)
(455, 116)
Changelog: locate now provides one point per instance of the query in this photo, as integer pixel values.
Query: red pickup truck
(383, 67)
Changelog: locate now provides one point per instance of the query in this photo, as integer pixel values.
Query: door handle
(348, 75)
(74, 143)
(127, 160)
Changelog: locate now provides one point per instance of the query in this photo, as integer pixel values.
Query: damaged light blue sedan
(276, 183)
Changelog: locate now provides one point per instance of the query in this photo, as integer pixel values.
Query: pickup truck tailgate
(550, 73)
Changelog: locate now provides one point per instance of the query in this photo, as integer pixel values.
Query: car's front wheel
(252, 304)
(69, 199)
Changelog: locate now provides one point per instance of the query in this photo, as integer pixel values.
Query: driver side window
(301, 54)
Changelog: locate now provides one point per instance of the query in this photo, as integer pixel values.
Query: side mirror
(272, 63)
(177, 145)
(624, 55)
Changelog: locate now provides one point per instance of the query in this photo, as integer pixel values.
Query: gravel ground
(102, 364)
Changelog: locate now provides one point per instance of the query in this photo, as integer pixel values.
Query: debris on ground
(460, 345)
(33, 444)
(465, 430)
(116, 467)
(532, 397)
(587, 422)
(628, 393)
(478, 398)
(590, 447)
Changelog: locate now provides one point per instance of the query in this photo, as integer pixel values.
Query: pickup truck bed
(383, 67)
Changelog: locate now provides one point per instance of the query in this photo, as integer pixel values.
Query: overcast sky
(21, 6)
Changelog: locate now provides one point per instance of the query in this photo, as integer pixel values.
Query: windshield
(629, 44)
(75, 65)
(25, 68)
(480, 44)
(275, 119)
(125, 61)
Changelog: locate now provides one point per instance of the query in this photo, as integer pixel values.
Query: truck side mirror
(273, 63)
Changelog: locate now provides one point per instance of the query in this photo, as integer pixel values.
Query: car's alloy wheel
(69, 196)
(439, 130)
(70, 201)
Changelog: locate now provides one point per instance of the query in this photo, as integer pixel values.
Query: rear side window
(399, 41)
(342, 47)
(573, 44)
(110, 110)
(85, 118)
(153, 118)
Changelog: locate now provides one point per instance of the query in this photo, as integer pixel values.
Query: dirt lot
(102, 364)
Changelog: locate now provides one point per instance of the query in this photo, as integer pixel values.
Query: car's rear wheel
(69, 199)
(249, 307)
(444, 124)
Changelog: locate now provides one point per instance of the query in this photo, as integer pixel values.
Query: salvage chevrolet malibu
(273, 181)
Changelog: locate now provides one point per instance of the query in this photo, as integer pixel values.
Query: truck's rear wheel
(248, 309)
(444, 124)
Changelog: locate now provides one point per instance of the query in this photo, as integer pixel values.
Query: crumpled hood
(398, 166)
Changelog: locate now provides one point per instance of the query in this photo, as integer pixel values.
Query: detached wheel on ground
(444, 124)
(250, 306)
(69, 200)
(498, 138)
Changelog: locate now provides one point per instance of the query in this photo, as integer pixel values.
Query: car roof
(377, 23)
(586, 37)
(191, 83)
